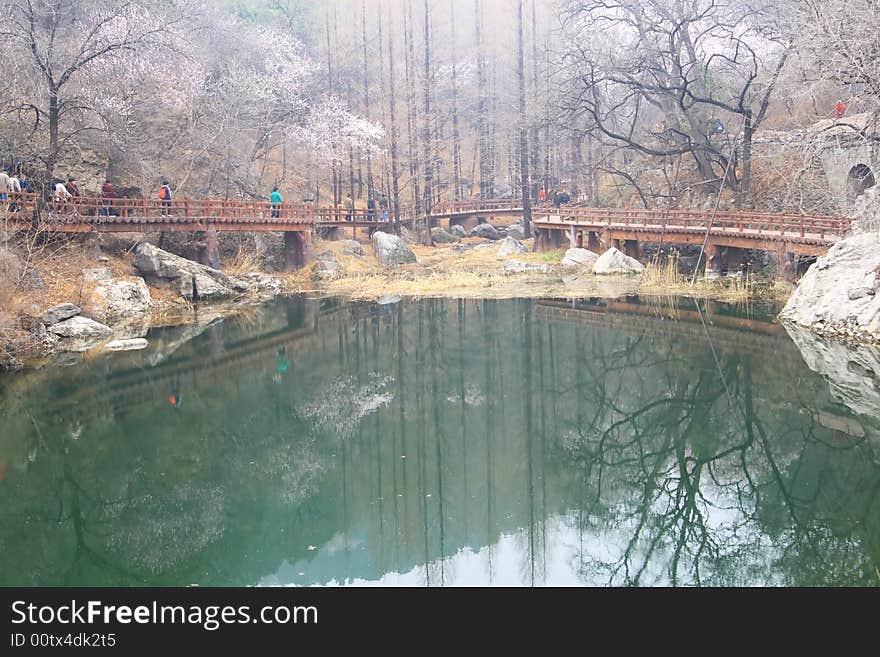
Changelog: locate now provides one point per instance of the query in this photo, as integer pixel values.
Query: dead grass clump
(243, 262)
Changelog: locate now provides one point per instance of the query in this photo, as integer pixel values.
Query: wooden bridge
(727, 233)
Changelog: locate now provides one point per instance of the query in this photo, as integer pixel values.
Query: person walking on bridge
(107, 196)
(61, 196)
(166, 198)
(349, 206)
(4, 188)
(276, 200)
(72, 187)
(14, 193)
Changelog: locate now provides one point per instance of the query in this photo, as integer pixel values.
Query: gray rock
(99, 274)
(486, 231)
(510, 246)
(190, 279)
(519, 267)
(59, 313)
(835, 293)
(327, 268)
(134, 344)
(861, 293)
(23, 273)
(407, 235)
(391, 250)
(442, 237)
(264, 285)
(579, 258)
(458, 230)
(81, 328)
(116, 302)
(353, 247)
(516, 231)
(388, 299)
(614, 261)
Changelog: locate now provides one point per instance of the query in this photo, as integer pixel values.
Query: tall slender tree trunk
(370, 193)
(350, 153)
(535, 165)
(427, 164)
(52, 160)
(392, 103)
(523, 125)
(336, 185)
(412, 114)
(482, 108)
(456, 136)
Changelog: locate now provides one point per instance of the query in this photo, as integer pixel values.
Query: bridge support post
(593, 243)
(786, 265)
(714, 261)
(735, 260)
(297, 249)
(631, 248)
(209, 250)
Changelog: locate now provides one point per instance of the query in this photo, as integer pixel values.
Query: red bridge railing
(85, 213)
(741, 222)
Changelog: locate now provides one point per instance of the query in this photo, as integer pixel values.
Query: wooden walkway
(798, 234)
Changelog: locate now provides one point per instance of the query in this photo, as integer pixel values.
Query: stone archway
(859, 179)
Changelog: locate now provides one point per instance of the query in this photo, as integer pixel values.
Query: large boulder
(327, 267)
(486, 231)
(391, 250)
(458, 230)
(440, 236)
(79, 333)
(59, 313)
(510, 246)
(614, 261)
(516, 231)
(353, 248)
(117, 301)
(190, 279)
(840, 293)
(579, 258)
(18, 272)
(264, 286)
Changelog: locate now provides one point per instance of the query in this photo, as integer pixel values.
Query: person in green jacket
(277, 200)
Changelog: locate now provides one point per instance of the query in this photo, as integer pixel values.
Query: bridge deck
(798, 233)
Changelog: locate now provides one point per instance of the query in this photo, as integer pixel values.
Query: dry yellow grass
(477, 273)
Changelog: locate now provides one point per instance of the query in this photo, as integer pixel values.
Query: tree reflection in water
(443, 442)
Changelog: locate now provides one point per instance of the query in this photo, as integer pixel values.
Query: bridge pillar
(735, 259)
(786, 264)
(209, 249)
(714, 261)
(297, 249)
(631, 248)
(593, 242)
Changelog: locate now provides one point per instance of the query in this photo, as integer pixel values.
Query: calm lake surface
(318, 442)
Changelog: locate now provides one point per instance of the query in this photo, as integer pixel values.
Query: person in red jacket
(107, 196)
(839, 109)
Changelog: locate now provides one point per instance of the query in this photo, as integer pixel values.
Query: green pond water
(432, 443)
